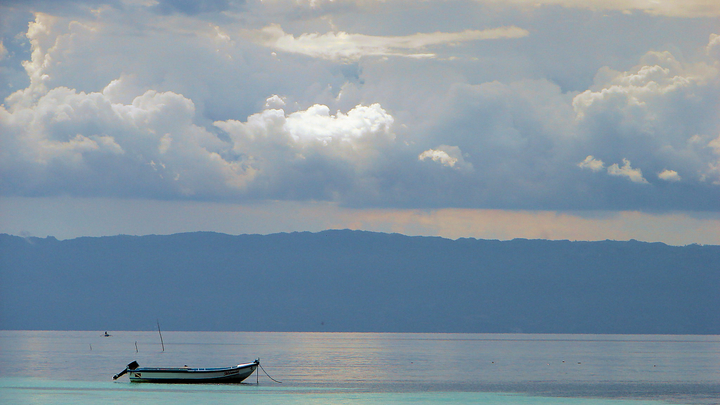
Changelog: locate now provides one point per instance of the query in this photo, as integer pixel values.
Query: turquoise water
(53, 367)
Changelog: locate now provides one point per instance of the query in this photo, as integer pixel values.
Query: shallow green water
(47, 367)
(27, 391)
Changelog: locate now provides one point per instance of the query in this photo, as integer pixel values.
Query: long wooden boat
(188, 375)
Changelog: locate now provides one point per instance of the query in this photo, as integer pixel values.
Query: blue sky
(560, 119)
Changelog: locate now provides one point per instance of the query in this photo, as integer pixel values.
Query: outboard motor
(131, 366)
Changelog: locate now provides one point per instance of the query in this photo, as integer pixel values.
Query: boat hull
(186, 375)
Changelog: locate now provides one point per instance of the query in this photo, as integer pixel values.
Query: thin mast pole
(161, 339)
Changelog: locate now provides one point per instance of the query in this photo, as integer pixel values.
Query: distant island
(358, 281)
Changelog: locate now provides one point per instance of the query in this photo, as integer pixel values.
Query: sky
(553, 119)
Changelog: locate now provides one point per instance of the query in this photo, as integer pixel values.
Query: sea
(76, 367)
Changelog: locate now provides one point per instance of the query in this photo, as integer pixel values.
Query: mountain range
(342, 280)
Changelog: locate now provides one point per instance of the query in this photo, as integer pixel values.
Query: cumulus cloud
(316, 123)
(66, 138)
(40, 37)
(670, 8)
(177, 105)
(635, 89)
(626, 170)
(669, 175)
(715, 145)
(712, 171)
(353, 136)
(661, 110)
(312, 154)
(713, 46)
(449, 156)
(61, 140)
(634, 175)
(274, 101)
(349, 47)
(591, 163)
(74, 141)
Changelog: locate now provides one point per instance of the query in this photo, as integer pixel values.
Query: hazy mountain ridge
(357, 281)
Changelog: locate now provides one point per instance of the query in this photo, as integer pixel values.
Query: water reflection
(361, 360)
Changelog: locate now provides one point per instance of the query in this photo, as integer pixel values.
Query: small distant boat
(180, 375)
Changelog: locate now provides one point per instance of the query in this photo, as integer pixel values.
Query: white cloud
(437, 155)
(343, 127)
(269, 137)
(449, 156)
(316, 123)
(670, 8)
(715, 145)
(713, 46)
(669, 175)
(662, 110)
(349, 47)
(591, 163)
(634, 90)
(712, 170)
(312, 154)
(635, 175)
(40, 39)
(274, 101)
(76, 140)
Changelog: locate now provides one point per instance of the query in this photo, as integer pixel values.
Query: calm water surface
(52, 367)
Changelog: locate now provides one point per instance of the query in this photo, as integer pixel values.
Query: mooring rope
(261, 368)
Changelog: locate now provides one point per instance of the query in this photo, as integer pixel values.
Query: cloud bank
(351, 47)
(219, 102)
(670, 8)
